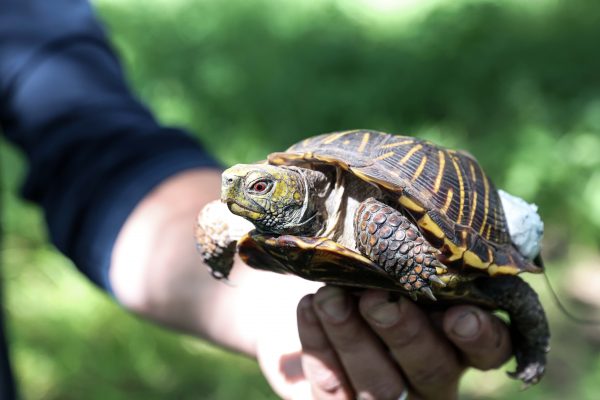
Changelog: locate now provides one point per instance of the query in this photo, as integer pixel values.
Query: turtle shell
(445, 192)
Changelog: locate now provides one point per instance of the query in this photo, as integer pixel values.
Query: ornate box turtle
(373, 210)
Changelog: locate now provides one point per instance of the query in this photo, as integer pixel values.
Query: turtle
(369, 209)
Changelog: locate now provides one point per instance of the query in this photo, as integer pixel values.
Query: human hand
(370, 348)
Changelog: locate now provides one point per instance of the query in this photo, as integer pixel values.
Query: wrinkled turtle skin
(372, 210)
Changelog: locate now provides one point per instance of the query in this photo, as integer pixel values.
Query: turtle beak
(232, 193)
(230, 185)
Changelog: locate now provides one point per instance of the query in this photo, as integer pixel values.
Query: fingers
(382, 348)
(482, 338)
(429, 361)
(319, 360)
(370, 372)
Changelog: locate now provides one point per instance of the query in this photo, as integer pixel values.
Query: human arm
(157, 272)
(101, 168)
(98, 159)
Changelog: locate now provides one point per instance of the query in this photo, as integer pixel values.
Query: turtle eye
(260, 187)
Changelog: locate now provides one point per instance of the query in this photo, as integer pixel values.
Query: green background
(516, 85)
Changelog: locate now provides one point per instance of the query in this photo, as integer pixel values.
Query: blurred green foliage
(517, 85)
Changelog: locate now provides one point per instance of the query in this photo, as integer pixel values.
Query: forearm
(156, 271)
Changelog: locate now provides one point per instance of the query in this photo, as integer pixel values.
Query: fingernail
(336, 306)
(467, 325)
(384, 314)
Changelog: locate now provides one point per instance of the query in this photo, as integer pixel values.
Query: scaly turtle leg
(529, 327)
(217, 233)
(391, 240)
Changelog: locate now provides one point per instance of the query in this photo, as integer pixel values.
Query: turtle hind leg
(529, 327)
(388, 238)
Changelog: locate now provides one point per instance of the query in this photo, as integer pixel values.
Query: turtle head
(275, 199)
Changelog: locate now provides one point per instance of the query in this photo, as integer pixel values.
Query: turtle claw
(436, 264)
(218, 275)
(530, 374)
(437, 280)
(426, 290)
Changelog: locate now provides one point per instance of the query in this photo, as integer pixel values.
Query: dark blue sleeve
(94, 150)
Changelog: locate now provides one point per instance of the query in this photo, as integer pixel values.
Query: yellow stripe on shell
(410, 153)
(473, 260)
(449, 196)
(473, 175)
(473, 208)
(364, 141)
(419, 169)
(324, 243)
(426, 223)
(456, 252)
(401, 143)
(332, 138)
(495, 221)
(461, 190)
(410, 204)
(494, 269)
(438, 178)
(284, 158)
(384, 183)
(384, 156)
(486, 201)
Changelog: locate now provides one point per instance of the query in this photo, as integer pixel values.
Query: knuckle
(495, 349)
(404, 335)
(314, 342)
(347, 339)
(410, 326)
(326, 381)
(437, 374)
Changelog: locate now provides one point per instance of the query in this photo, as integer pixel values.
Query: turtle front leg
(217, 234)
(391, 240)
(529, 327)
